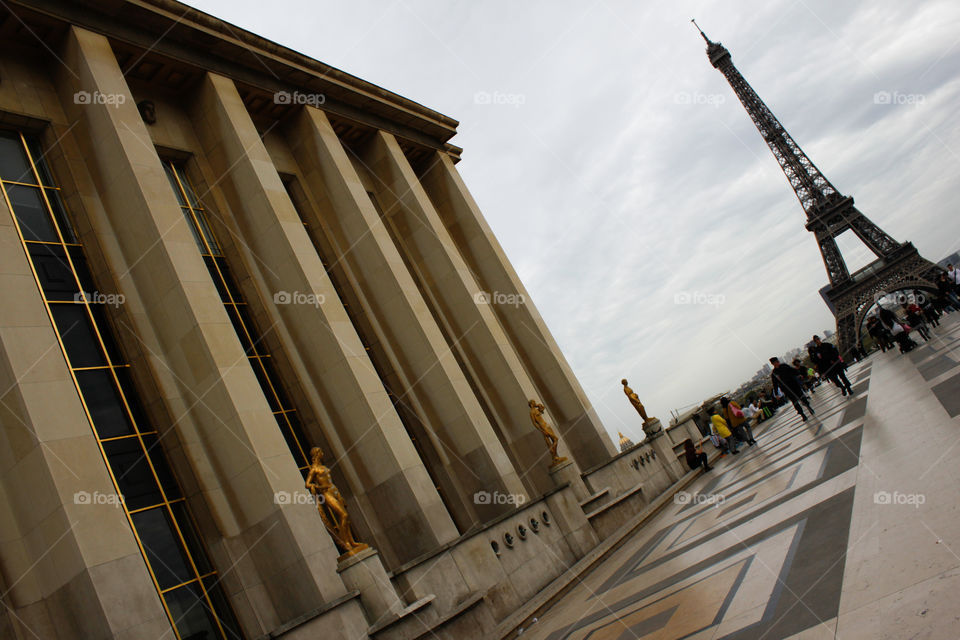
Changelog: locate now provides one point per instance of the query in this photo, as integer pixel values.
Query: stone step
(596, 500)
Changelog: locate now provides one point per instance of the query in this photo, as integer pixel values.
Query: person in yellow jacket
(719, 426)
(733, 415)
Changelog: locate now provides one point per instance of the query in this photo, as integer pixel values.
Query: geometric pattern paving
(764, 544)
(759, 550)
(940, 356)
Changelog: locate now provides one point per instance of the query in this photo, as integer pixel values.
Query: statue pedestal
(664, 449)
(364, 572)
(652, 427)
(565, 472)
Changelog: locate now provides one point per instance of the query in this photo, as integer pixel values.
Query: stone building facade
(216, 255)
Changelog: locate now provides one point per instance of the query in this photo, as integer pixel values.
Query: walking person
(786, 379)
(828, 361)
(696, 458)
(930, 314)
(915, 320)
(892, 323)
(953, 275)
(796, 364)
(948, 295)
(879, 333)
(719, 427)
(737, 419)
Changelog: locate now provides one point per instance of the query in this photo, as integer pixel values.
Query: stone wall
(628, 469)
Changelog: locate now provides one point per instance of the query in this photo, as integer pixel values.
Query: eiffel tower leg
(832, 258)
(848, 336)
(882, 245)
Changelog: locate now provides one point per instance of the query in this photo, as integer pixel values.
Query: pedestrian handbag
(897, 329)
(737, 412)
(715, 440)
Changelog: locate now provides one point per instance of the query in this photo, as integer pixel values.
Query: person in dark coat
(788, 380)
(696, 458)
(879, 333)
(915, 319)
(892, 323)
(930, 313)
(948, 297)
(830, 366)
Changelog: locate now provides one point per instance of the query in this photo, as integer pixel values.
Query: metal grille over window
(176, 558)
(233, 301)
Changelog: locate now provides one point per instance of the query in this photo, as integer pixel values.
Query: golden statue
(330, 504)
(536, 417)
(635, 401)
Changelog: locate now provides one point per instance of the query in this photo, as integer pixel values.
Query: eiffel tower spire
(830, 213)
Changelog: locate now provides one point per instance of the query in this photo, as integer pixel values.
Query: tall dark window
(152, 501)
(233, 301)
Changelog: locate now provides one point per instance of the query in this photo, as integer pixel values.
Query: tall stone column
(577, 420)
(408, 516)
(222, 420)
(476, 457)
(451, 289)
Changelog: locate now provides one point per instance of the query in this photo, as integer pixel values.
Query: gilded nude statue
(635, 401)
(330, 504)
(536, 417)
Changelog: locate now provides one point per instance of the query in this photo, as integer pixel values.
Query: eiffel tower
(830, 213)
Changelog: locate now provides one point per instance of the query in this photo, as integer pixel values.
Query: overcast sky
(620, 173)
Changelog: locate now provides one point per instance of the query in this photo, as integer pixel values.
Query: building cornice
(190, 36)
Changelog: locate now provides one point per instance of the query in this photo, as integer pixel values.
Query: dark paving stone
(948, 393)
(811, 590)
(650, 625)
(737, 505)
(937, 366)
(842, 455)
(918, 355)
(855, 410)
(809, 581)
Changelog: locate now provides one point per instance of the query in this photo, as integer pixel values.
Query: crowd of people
(731, 425)
(918, 315)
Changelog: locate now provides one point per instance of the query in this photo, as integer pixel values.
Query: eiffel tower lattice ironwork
(829, 213)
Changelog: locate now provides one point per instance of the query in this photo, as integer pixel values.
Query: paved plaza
(846, 526)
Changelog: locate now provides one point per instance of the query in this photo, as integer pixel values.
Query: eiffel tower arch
(829, 213)
(908, 270)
